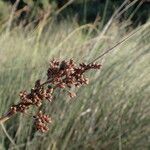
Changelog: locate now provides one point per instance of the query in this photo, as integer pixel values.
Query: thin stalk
(117, 44)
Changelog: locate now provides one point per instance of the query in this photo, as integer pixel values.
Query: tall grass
(111, 113)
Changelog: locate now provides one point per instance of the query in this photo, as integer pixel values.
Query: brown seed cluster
(67, 73)
(41, 121)
(60, 74)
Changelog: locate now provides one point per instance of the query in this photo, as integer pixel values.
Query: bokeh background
(113, 111)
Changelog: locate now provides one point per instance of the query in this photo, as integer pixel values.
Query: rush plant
(60, 75)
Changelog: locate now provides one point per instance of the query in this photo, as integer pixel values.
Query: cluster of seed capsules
(60, 74)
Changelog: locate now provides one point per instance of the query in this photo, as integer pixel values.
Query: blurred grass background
(111, 113)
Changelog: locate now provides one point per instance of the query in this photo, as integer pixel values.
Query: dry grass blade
(8, 136)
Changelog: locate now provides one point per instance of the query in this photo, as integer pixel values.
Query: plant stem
(4, 118)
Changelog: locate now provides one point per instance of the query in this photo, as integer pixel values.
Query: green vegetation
(111, 113)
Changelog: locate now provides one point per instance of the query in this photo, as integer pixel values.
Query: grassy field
(111, 113)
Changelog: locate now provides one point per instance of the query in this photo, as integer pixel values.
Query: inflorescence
(60, 74)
